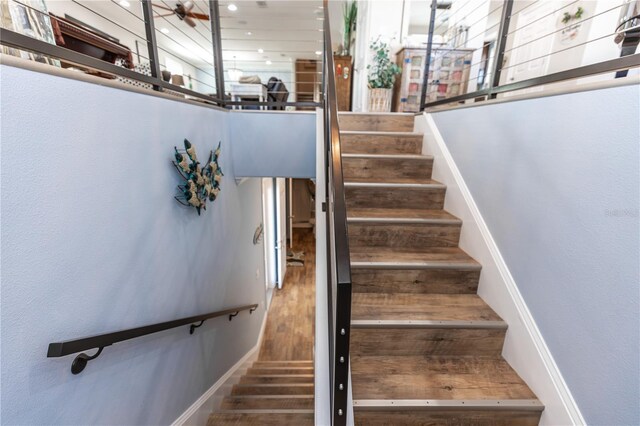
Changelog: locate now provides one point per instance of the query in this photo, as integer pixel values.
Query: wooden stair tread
(417, 157)
(242, 418)
(266, 371)
(429, 307)
(284, 379)
(392, 182)
(435, 377)
(376, 121)
(430, 256)
(244, 402)
(399, 215)
(380, 133)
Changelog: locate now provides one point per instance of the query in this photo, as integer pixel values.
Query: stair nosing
(466, 266)
(268, 411)
(430, 324)
(391, 156)
(436, 404)
(270, 396)
(279, 375)
(356, 184)
(282, 368)
(273, 385)
(404, 220)
(381, 133)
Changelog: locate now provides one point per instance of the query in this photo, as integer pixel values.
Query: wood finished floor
(278, 388)
(290, 326)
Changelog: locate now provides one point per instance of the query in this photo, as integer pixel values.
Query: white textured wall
(93, 242)
(557, 182)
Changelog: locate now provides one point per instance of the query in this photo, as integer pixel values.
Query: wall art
(201, 183)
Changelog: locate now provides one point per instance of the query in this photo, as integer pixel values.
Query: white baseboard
(198, 413)
(524, 348)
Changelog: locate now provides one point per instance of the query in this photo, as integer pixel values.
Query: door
(269, 220)
(531, 60)
(281, 227)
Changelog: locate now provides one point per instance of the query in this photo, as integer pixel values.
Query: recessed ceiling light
(124, 3)
(164, 30)
(232, 7)
(260, 50)
(269, 62)
(318, 52)
(249, 33)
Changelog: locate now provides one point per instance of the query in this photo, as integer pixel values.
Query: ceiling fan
(184, 13)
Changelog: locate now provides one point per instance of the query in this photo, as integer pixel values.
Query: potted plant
(382, 75)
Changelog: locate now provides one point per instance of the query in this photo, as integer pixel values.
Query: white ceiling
(286, 30)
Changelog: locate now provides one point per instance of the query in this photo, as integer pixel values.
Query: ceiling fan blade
(162, 7)
(200, 16)
(190, 21)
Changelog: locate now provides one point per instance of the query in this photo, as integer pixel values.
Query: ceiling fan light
(235, 74)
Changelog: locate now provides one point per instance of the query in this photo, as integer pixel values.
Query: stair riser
(290, 364)
(278, 371)
(427, 341)
(238, 419)
(424, 281)
(272, 390)
(275, 380)
(429, 198)
(380, 144)
(376, 123)
(286, 402)
(388, 168)
(461, 417)
(403, 235)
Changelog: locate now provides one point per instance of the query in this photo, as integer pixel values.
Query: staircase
(270, 393)
(425, 348)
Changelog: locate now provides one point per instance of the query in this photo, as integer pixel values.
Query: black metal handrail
(100, 341)
(338, 258)
(617, 64)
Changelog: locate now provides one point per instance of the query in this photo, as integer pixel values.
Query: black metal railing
(491, 60)
(100, 341)
(338, 259)
(175, 40)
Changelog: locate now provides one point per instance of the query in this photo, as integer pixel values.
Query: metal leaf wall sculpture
(202, 183)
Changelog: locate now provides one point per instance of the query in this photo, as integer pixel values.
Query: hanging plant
(201, 184)
(382, 72)
(349, 15)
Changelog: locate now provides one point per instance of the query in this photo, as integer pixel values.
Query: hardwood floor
(290, 327)
(278, 388)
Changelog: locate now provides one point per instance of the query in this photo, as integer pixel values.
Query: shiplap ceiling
(285, 30)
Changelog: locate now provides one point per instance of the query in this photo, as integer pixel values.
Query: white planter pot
(380, 100)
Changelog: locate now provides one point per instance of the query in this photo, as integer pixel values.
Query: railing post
(216, 40)
(427, 64)
(152, 47)
(502, 44)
